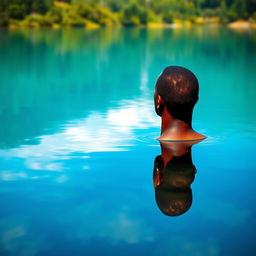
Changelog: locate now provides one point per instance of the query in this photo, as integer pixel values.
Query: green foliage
(223, 12)
(134, 14)
(239, 7)
(71, 18)
(19, 9)
(42, 6)
(168, 17)
(3, 5)
(81, 14)
(16, 11)
(254, 17)
(209, 13)
(151, 16)
(36, 20)
(115, 5)
(126, 12)
(4, 19)
(85, 10)
(54, 15)
(101, 15)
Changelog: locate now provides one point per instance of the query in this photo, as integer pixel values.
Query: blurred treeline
(122, 12)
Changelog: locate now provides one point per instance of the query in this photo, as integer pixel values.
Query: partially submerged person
(176, 93)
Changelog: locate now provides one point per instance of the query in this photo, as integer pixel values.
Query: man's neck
(174, 129)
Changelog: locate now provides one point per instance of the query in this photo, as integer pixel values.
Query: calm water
(77, 142)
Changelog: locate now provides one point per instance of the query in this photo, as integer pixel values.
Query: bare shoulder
(189, 135)
(193, 135)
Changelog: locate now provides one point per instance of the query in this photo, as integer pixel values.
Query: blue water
(77, 142)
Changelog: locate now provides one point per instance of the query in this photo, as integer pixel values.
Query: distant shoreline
(242, 25)
(237, 25)
(233, 25)
(96, 14)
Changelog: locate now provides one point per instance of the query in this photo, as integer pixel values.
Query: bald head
(178, 87)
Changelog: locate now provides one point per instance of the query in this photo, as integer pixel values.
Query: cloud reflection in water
(99, 132)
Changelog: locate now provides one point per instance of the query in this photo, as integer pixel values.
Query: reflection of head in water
(172, 184)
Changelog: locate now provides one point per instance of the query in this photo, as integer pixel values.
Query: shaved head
(179, 88)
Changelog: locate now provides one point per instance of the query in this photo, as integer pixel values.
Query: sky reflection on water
(77, 142)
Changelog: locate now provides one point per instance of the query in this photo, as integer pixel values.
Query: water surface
(77, 142)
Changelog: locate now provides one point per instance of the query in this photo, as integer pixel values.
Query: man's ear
(159, 104)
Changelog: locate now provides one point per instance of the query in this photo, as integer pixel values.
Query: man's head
(176, 89)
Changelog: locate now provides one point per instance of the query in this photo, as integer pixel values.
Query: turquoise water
(77, 142)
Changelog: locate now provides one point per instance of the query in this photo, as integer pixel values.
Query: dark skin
(173, 129)
(170, 150)
(173, 175)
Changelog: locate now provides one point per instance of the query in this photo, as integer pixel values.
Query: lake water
(78, 142)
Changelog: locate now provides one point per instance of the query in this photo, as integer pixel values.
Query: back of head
(179, 89)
